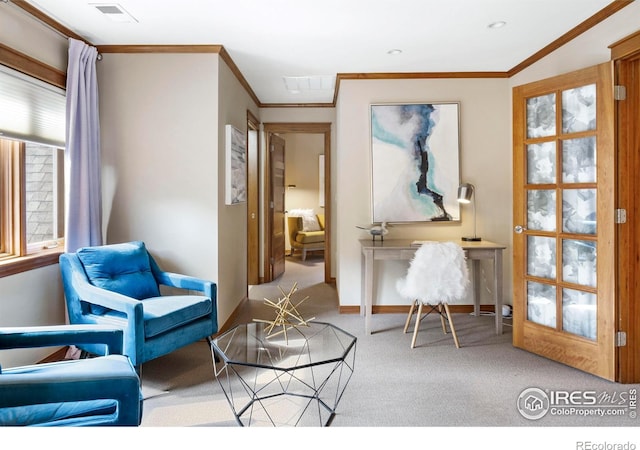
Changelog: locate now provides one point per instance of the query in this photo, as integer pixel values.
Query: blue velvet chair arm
(109, 299)
(186, 282)
(61, 335)
(89, 392)
(208, 288)
(131, 307)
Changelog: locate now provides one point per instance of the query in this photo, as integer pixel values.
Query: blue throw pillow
(122, 268)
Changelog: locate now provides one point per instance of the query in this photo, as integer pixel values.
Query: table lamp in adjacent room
(466, 192)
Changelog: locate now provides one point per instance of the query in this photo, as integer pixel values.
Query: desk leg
(363, 284)
(497, 288)
(366, 306)
(475, 264)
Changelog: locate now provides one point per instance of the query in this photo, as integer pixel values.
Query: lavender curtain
(83, 192)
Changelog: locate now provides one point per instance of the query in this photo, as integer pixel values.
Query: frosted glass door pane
(541, 257)
(579, 262)
(579, 160)
(541, 303)
(579, 313)
(541, 210)
(579, 211)
(541, 116)
(541, 163)
(579, 109)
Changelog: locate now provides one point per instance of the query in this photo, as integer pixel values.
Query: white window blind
(31, 110)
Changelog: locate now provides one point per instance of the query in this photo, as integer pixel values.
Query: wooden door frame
(253, 202)
(308, 128)
(626, 56)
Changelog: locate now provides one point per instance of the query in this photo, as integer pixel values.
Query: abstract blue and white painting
(415, 162)
(236, 166)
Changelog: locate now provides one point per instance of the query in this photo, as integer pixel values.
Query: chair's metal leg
(453, 330)
(415, 329)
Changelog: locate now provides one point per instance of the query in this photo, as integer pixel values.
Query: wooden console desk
(401, 249)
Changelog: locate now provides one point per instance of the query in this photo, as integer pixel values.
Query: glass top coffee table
(278, 380)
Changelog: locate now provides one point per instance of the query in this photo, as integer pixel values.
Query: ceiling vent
(114, 12)
(295, 85)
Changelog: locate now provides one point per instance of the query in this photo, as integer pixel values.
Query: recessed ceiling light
(395, 51)
(498, 24)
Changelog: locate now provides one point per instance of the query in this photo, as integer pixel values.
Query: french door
(564, 225)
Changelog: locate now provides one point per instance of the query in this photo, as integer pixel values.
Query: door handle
(519, 229)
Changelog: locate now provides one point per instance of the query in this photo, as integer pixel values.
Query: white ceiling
(271, 39)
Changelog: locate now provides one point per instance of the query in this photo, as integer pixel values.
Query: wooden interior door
(564, 241)
(276, 205)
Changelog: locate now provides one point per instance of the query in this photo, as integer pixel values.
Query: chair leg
(453, 330)
(412, 309)
(444, 326)
(304, 254)
(415, 329)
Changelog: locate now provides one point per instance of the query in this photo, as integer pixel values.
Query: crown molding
(592, 21)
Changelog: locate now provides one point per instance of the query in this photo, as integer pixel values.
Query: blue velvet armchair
(119, 285)
(99, 391)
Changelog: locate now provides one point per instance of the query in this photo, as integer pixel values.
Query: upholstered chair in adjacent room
(306, 233)
(119, 285)
(437, 276)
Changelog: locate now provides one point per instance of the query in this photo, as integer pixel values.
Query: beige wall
(162, 130)
(159, 152)
(485, 161)
(233, 103)
(588, 49)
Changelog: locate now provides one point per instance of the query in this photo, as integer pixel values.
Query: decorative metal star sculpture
(287, 314)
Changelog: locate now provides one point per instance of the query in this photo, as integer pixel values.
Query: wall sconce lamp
(465, 193)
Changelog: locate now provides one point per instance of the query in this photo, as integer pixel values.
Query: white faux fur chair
(437, 275)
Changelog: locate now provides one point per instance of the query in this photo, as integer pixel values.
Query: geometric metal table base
(273, 381)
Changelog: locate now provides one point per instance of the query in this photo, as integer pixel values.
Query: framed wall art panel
(415, 150)
(235, 166)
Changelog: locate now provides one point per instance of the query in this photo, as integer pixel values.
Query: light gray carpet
(433, 385)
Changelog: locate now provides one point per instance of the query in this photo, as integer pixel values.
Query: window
(31, 198)
(32, 118)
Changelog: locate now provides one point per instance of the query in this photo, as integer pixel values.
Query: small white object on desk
(377, 230)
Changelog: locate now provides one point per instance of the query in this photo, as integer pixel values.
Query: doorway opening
(302, 187)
